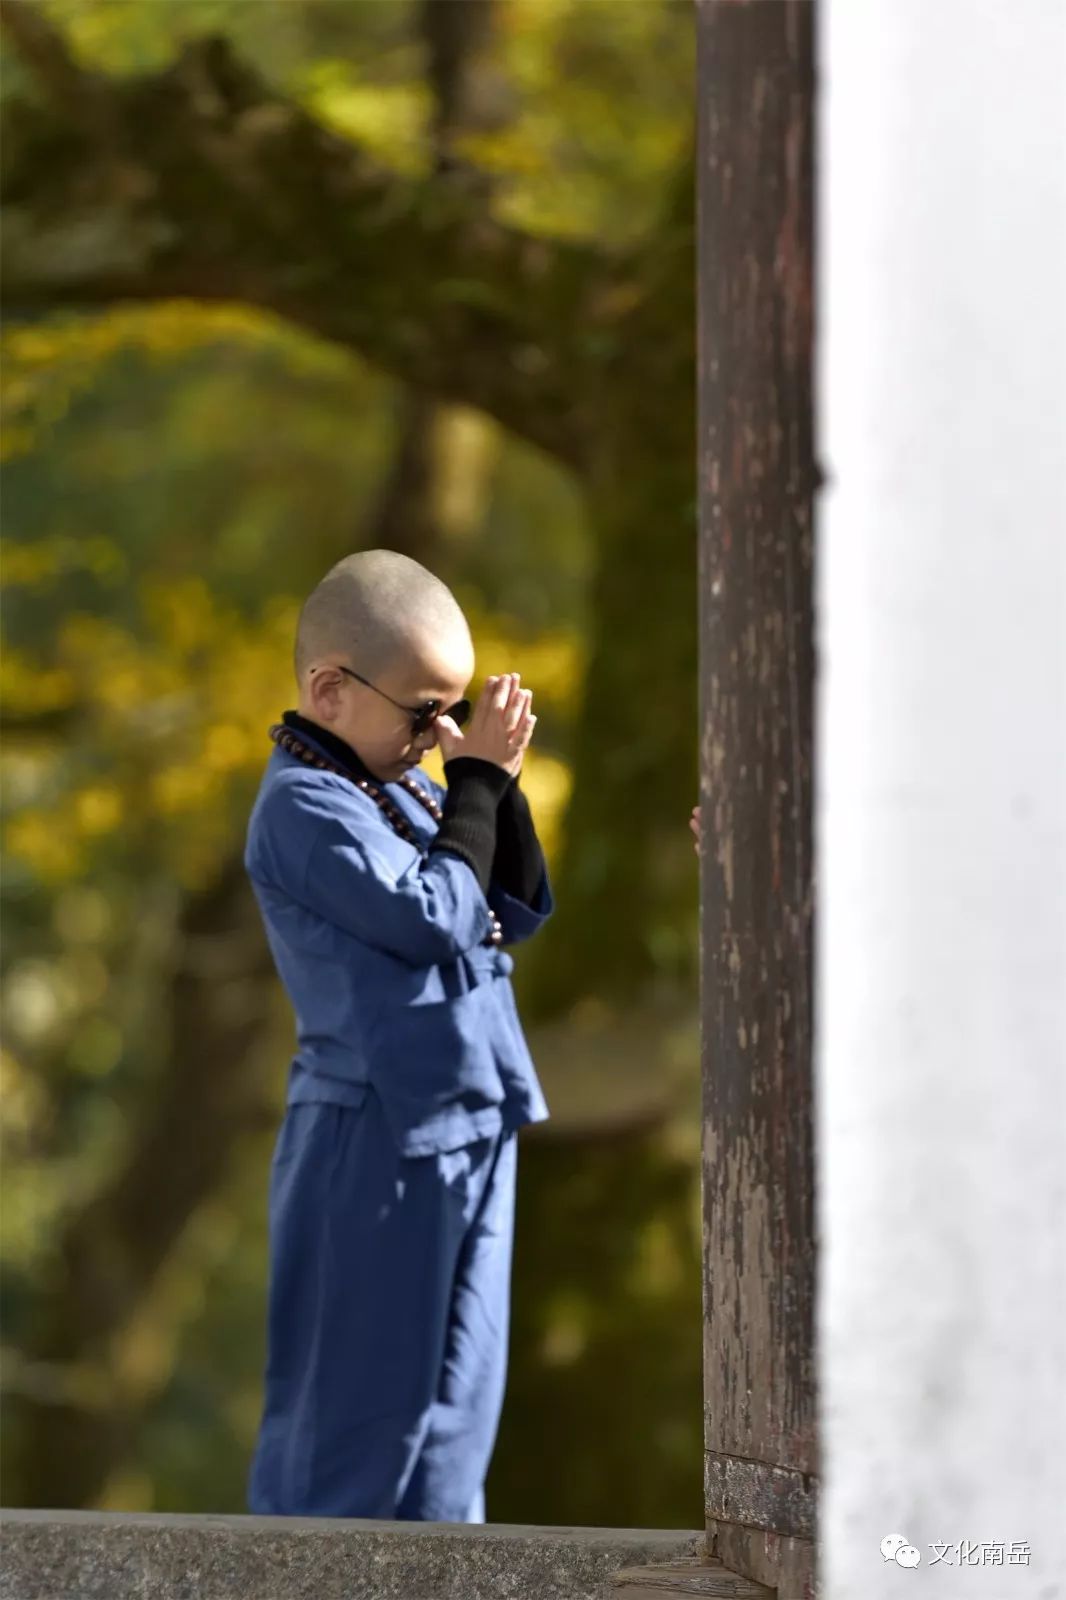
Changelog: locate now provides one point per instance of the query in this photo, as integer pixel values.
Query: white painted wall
(941, 821)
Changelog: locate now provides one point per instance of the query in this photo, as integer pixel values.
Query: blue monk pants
(388, 1321)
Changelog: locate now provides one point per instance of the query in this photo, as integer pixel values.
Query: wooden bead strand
(288, 740)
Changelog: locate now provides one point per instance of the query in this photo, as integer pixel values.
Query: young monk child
(388, 903)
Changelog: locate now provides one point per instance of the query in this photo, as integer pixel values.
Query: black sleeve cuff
(468, 823)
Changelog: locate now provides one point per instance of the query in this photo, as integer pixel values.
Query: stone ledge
(99, 1555)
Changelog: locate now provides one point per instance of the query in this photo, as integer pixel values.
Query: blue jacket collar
(331, 744)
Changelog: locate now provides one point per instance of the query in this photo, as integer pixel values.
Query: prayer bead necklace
(290, 741)
(294, 744)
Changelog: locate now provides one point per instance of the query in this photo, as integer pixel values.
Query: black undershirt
(485, 818)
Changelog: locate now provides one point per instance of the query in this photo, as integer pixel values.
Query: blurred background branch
(208, 184)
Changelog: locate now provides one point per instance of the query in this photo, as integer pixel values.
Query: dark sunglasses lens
(425, 719)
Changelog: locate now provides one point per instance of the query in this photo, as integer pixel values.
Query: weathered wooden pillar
(757, 480)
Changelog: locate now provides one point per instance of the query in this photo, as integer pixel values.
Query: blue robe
(392, 1186)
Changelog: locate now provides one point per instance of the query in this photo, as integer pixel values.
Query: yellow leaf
(98, 810)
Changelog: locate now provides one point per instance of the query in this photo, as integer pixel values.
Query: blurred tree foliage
(189, 443)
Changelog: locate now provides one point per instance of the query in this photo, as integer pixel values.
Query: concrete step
(97, 1555)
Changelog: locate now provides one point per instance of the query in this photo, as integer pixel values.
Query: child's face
(378, 731)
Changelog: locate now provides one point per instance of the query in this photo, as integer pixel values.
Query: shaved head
(376, 606)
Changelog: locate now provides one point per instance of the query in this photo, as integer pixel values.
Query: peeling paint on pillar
(757, 480)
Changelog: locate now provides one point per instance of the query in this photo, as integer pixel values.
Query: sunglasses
(422, 716)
